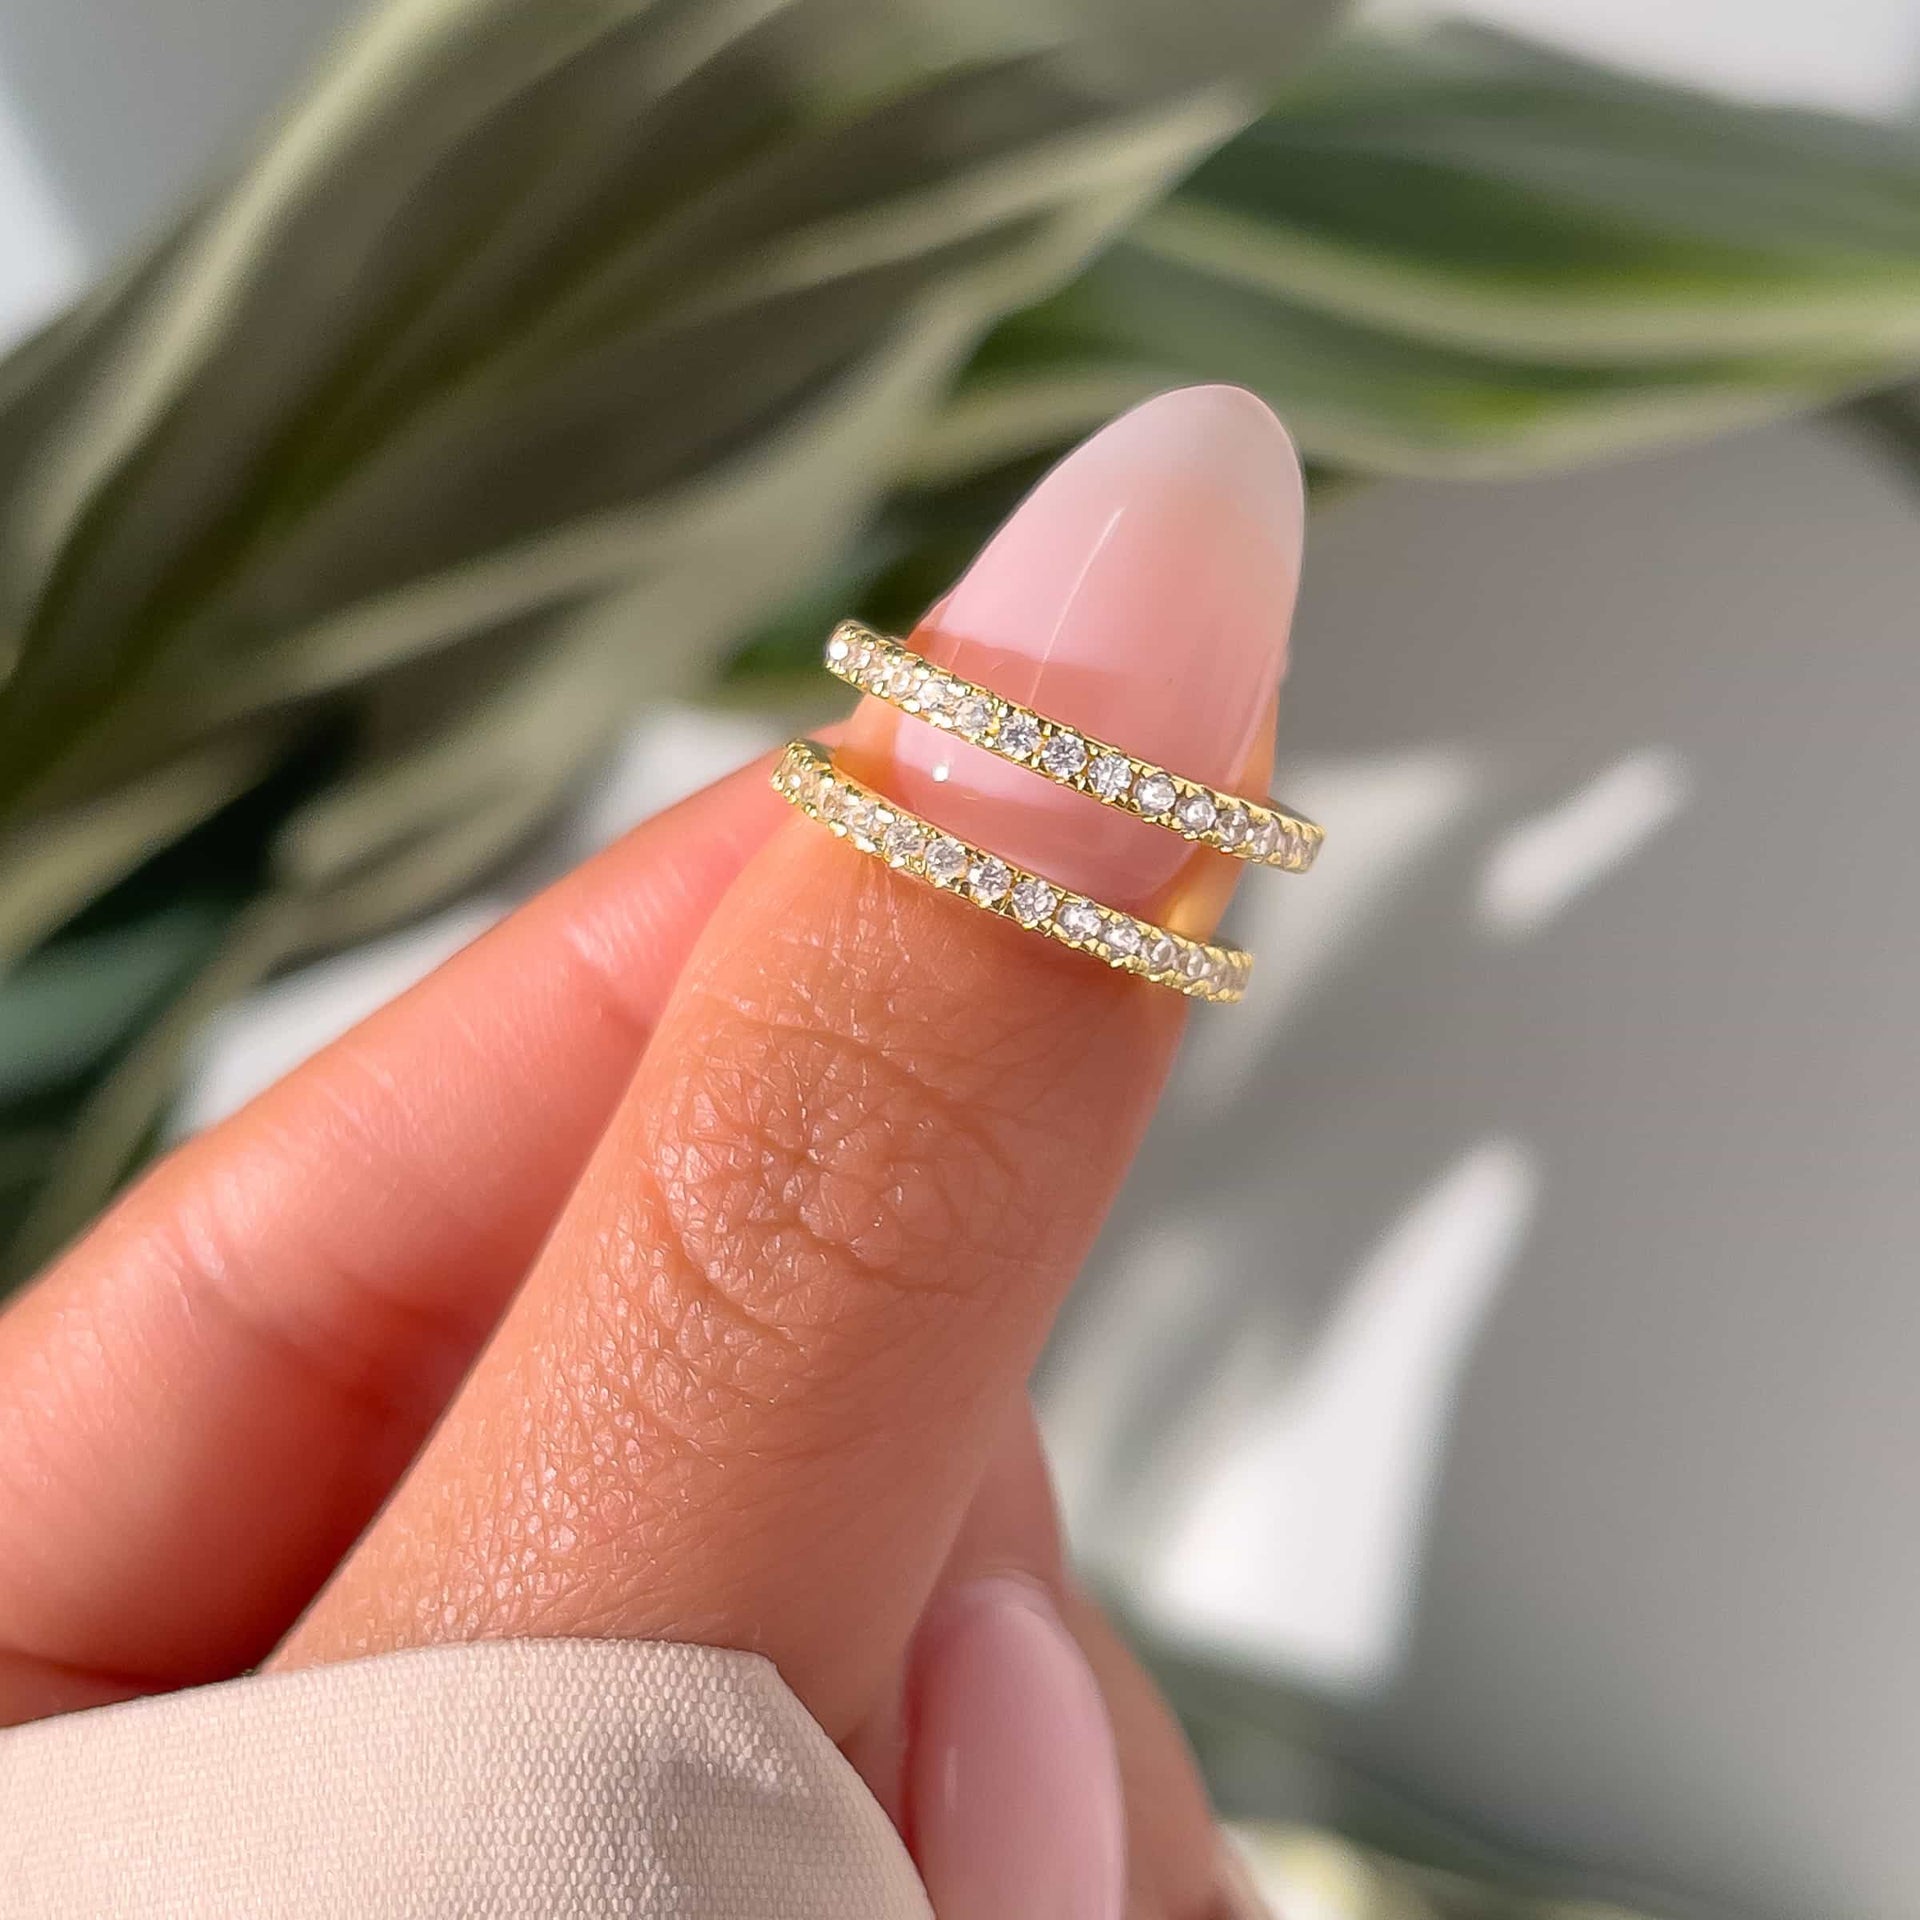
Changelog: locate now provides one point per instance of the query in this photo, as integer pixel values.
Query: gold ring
(1255, 830)
(807, 777)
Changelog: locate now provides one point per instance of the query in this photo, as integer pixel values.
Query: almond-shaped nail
(1143, 591)
(1013, 1782)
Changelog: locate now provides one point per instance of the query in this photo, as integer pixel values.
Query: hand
(671, 1263)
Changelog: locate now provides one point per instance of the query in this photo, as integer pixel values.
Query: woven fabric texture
(569, 1780)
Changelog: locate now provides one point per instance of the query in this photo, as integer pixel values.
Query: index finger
(748, 1390)
(203, 1402)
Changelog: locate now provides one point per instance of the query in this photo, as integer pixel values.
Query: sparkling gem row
(1224, 821)
(806, 777)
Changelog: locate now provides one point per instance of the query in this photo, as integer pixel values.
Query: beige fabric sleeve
(530, 1780)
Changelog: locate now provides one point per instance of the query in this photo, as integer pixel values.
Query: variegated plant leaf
(538, 357)
(1451, 252)
(520, 294)
(1470, 189)
(1446, 252)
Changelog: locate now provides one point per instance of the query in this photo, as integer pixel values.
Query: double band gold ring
(1253, 830)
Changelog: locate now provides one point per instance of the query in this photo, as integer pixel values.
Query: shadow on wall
(1274, 1512)
(1512, 1338)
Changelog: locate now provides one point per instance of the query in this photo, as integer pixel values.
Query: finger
(1044, 1773)
(204, 1401)
(755, 1377)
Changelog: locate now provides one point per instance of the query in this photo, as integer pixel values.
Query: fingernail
(1013, 1784)
(1142, 591)
(1240, 1897)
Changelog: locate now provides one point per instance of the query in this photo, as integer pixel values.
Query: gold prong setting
(806, 777)
(1246, 829)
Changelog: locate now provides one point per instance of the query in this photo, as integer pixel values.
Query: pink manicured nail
(1142, 591)
(1013, 1785)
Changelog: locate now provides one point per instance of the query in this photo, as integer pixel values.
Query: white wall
(1854, 56)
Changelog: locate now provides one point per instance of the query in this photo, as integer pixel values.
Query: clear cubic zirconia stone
(1019, 736)
(1081, 918)
(1196, 813)
(1154, 793)
(1032, 901)
(988, 881)
(945, 860)
(1064, 755)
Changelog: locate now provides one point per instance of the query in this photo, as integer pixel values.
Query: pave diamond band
(1253, 830)
(807, 777)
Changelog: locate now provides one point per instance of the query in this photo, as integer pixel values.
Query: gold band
(1248, 829)
(807, 778)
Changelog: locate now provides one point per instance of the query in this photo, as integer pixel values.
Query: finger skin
(747, 1393)
(204, 1401)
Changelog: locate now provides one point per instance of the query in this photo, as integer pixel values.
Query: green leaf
(524, 302)
(1357, 397)
(1443, 252)
(75, 1003)
(1468, 189)
(1449, 252)
(116, 1119)
(58, 865)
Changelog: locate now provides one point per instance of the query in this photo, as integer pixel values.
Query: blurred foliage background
(548, 360)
